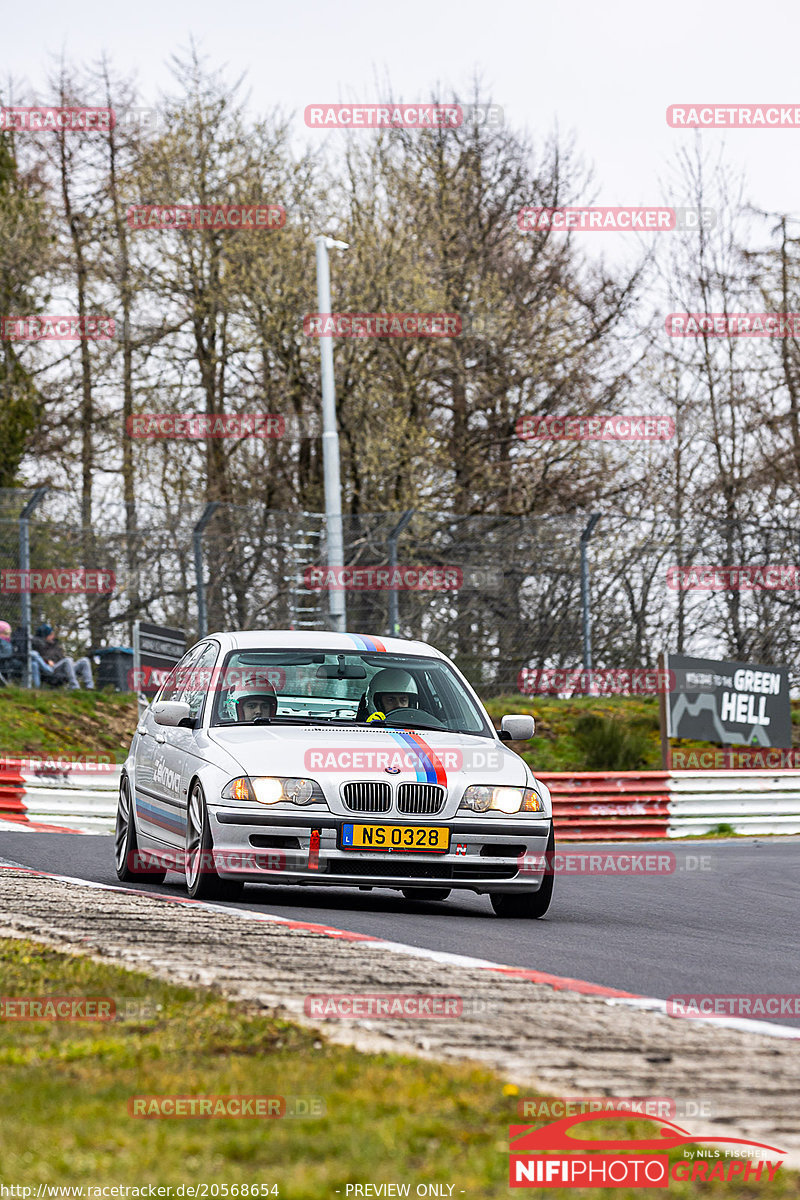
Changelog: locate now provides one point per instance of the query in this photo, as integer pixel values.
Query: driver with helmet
(253, 702)
(391, 688)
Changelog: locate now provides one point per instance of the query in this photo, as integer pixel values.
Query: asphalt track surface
(726, 925)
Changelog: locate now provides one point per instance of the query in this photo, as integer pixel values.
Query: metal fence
(506, 593)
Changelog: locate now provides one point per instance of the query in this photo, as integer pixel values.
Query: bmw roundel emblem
(392, 770)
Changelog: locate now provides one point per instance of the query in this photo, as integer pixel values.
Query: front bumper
(484, 855)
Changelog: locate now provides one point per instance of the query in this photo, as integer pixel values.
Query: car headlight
(269, 789)
(482, 798)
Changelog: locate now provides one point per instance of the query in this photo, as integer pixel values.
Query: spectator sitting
(6, 650)
(46, 644)
(13, 658)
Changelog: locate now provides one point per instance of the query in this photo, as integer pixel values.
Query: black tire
(202, 881)
(528, 905)
(425, 894)
(125, 844)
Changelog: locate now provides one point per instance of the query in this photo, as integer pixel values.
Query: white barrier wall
(753, 802)
(83, 800)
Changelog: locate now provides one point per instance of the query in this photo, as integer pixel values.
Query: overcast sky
(605, 71)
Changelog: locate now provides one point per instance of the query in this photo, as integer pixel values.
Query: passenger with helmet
(254, 702)
(389, 689)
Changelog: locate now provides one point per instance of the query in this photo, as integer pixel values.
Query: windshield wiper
(291, 720)
(424, 728)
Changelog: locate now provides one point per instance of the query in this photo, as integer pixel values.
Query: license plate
(435, 838)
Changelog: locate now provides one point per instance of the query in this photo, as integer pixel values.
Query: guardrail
(754, 802)
(597, 805)
(12, 787)
(624, 806)
(587, 805)
(65, 799)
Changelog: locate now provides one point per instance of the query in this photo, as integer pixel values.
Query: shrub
(608, 745)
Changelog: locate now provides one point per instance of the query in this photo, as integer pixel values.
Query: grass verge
(559, 746)
(386, 1118)
(63, 724)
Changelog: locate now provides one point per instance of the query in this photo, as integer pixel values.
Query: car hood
(433, 756)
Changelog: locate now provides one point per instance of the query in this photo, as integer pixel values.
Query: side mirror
(517, 728)
(172, 712)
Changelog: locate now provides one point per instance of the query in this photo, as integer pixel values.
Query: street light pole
(197, 539)
(24, 564)
(330, 438)
(394, 610)
(586, 610)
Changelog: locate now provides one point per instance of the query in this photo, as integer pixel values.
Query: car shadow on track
(376, 901)
(335, 899)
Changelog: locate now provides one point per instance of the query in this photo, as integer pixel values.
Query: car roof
(309, 639)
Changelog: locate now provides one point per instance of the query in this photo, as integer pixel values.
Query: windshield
(309, 687)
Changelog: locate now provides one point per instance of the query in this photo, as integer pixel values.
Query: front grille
(367, 797)
(425, 798)
(401, 868)
(398, 868)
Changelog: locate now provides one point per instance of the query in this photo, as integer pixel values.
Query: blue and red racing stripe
(428, 767)
(160, 816)
(365, 643)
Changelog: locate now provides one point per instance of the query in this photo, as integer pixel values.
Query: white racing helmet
(390, 681)
(262, 690)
